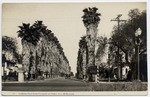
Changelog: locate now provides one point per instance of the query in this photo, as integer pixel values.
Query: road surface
(57, 84)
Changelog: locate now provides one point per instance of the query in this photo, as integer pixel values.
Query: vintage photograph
(74, 48)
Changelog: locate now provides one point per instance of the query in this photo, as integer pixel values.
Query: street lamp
(137, 35)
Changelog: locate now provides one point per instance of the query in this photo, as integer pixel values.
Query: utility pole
(118, 20)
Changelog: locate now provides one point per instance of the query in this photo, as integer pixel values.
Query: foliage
(71, 74)
(90, 16)
(9, 44)
(125, 39)
(102, 44)
(82, 42)
(86, 51)
(82, 49)
(43, 43)
(32, 33)
(51, 37)
(127, 33)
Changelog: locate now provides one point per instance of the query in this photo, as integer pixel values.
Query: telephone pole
(118, 20)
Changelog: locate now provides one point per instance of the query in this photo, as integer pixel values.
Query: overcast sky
(64, 19)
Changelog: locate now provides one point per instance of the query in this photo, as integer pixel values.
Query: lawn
(119, 86)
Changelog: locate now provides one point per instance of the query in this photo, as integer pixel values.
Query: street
(62, 84)
(57, 84)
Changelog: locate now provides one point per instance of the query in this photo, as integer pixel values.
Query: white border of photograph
(126, 94)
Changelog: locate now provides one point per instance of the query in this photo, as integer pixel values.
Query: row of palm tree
(45, 49)
(82, 58)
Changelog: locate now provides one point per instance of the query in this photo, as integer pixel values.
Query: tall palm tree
(30, 35)
(91, 20)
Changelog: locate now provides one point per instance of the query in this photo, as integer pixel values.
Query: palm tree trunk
(91, 37)
(26, 49)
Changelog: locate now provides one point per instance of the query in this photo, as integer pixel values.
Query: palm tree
(30, 35)
(82, 57)
(91, 20)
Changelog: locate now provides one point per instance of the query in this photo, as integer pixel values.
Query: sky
(64, 19)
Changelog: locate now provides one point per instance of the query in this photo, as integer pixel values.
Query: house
(121, 72)
(9, 68)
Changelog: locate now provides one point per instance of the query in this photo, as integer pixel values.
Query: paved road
(59, 84)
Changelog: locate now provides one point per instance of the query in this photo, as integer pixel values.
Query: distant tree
(71, 74)
(9, 44)
(50, 37)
